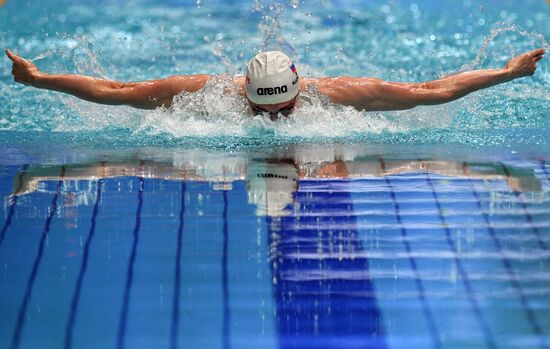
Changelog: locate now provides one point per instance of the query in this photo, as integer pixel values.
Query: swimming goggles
(285, 111)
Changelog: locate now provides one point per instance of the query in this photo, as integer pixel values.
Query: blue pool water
(201, 226)
(131, 248)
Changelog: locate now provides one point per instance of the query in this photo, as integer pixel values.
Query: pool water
(201, 226)
(399, 41)
(322, 247)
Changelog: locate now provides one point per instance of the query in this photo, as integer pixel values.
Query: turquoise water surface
(201, 226)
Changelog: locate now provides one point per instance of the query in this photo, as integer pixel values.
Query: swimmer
(272, 85)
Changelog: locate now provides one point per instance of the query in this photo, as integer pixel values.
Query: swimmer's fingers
(525, 64)
(23, 71)
(10, 54)
(537, 55)
(537, 52)
(15, 58)
(18, 59)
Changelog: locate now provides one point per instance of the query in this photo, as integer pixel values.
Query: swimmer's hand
(24, 71)
(525, 64)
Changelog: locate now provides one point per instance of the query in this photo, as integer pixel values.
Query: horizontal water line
(325, 226)
(303, 275)
(527, 255)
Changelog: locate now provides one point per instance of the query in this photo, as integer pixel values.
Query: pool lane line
(533, 322)
(225, 287)
(177, 275)
(526, 213)
(489, 337)
(36, 265)
(13, 203)
(71, 320)
(121, 335)
(434, 331)
(544, 170)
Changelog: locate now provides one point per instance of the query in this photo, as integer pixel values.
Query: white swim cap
(271, 187)
(271, 78)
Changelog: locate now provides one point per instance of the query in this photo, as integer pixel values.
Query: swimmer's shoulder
(346, 90)
(239, 81)
(337, 81)
(307, 82)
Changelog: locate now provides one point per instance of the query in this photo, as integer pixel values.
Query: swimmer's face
(284, 108)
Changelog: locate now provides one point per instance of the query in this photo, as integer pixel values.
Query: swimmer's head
(271, 78)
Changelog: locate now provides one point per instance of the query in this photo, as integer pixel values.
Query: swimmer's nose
(273, 116)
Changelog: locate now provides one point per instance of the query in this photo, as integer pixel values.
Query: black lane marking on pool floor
(13, 203)
(121, 336)
(83, 267)
(30, 283)
(177, 275)
(225, 286)
(526, 213)
(544, 170)
(533, 322)
(489, 337)
(434, 331)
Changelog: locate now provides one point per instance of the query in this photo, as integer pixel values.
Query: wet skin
(362, 93)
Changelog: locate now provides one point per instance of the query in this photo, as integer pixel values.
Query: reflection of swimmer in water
(272, 183)
(272, 86)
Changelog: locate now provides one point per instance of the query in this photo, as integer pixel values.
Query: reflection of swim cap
(271, 187)
(271, 78)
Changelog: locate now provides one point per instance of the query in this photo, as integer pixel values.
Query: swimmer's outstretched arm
(144, 95)
(375, 95)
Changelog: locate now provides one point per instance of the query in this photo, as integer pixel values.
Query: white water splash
(218, 109)
(214, 112)
(482, 54)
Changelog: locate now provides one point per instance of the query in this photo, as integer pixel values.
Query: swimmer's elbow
(122, 94)
(136, 95)
(446, 96)
(112, 94)
(428, 94)
(403, 96)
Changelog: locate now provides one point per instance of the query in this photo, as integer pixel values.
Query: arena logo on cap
(262, 91)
